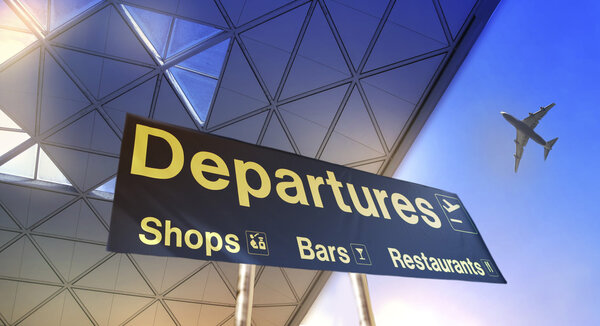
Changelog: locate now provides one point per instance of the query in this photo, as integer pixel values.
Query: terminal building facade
(348, 82)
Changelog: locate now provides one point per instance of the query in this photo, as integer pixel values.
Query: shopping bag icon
(257, 243)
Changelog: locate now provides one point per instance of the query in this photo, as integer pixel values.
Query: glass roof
(32, 163)
(196, 77)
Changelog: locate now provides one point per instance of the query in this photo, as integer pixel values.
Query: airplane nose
(507, 117)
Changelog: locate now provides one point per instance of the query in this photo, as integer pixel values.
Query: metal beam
(245, 294)
(363, 301)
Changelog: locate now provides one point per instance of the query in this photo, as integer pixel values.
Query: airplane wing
(520, 141)
(534, 118)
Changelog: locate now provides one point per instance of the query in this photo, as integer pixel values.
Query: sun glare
(14, 35)
(13, 42)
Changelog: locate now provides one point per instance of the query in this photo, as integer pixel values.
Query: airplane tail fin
(548, 147)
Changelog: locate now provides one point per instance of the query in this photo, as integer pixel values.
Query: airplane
(450, 208)
(525, 131)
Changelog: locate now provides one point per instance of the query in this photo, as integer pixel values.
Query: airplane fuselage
(525, 129)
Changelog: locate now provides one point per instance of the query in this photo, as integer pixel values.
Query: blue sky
(542, 224)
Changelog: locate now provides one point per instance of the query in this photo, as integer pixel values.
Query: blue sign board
(189, 194)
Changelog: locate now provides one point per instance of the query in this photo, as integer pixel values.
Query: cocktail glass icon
(360, 251)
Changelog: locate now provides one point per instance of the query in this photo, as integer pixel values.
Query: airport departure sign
(189, 194)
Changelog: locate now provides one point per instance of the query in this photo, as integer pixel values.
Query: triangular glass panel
(19, 90)
(229, 271)
(356, 22)
(197, 10)
(63, 11)
(103, 208)
(76, 221)
(300, 279)
(30, 205)
(118, 272)
(209, 61)
(186, 33)
(136, 101)
(407, 82)
(335, 152)
(355, 130)
(6, 236)
(273, 288)
(116, 74)
(157, 315)
(39, 10)
(23, 297)
(239, 92)
(62, 307)
(456, 13)
(88, 68)
(6, 221)
(391, 112)
(309, 118)
(234, 10)
(188, 313)
(165, 272)
(6, 122)
(61, 98)
(91, 33)
(318, 62)
(169, 107)
(13, 42)
(48, 171)
(275, 136)
(393, 94)
(271, 43)
(106, 32)
(22, 165)
(257, 9)
(419, 16)
(355, 123)
(155, 27)
(246, 130)
(370, 167)
(206, 285)
(109, 308)
(198, 90)
(168, 35)
(413, 28)
(89, 132)
(71, 258)
(108, 186)
(85, 170)
(25, 262)
(10, 140)
(101, 76)
(9, 18)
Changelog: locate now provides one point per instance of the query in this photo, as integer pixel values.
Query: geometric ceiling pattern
(336, 80)
(32, 163)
